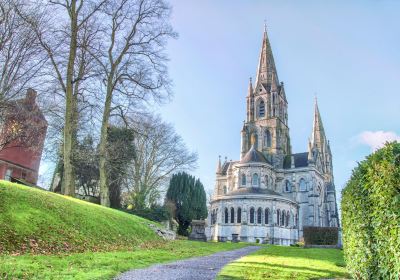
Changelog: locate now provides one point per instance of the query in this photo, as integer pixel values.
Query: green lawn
(103, 265)
(278, 262)
(40, 222)
(49, 236)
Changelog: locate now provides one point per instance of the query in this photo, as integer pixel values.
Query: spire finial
(265, 25)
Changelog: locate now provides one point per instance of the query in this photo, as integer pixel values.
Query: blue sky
(345, 52)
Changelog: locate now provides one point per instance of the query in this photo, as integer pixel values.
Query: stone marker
(198, 230)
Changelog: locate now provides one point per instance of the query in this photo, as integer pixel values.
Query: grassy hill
(40, 222)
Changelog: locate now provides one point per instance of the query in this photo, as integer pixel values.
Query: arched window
(266, 181)
(225, 190)
(213, 217)
(295, 220)
(278, 217)
(266, 216)
(267, 138)
(226, 216)
(283, 218)
(287, 186)
(243, 179)
(232, 215)
(251, 215)
(259, 217)
(239, 215)
(302, 185)
(254, 181)
(287, 219)
(261, 109)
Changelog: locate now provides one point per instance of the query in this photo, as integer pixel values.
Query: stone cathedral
(270, 194)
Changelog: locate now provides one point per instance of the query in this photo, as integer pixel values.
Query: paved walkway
(201, 268)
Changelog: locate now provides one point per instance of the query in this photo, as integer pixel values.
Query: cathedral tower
(267, 118)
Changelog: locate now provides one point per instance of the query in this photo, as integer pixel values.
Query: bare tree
(21, 59)
(20, 54)
(133, 64)
(159, 152)
(70, 27)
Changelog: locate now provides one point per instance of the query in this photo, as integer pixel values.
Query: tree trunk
(104, 189)
(70, 110)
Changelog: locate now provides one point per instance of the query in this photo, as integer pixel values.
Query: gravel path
(201, 268)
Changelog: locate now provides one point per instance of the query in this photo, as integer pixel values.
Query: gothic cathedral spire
(318, 138)
(266, 71)
(319, 151)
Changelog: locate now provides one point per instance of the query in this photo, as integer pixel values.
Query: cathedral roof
(241, 191)
(254, 156)
(300, 160)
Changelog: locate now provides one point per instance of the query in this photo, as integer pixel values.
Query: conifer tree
(189, 198)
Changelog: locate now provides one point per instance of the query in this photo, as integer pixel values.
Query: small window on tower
(261, 109)
(287, 186)
(243, 179)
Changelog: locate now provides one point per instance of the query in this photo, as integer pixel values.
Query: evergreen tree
(120, 152)
(189, 198)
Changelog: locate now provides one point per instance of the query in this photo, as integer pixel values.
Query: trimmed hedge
(320, 235)
(371, 216)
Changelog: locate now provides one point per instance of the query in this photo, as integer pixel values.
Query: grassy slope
(103, 265)
(40, 222)
(277, 262)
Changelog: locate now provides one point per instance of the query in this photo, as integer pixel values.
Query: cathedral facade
(270, 194)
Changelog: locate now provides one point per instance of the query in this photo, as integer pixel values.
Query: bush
(320, 235)
(371, 216)
(155, 213)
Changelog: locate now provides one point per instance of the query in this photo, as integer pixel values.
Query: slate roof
(241, 191)
(300, 160)
(225, 167)
(254, 156)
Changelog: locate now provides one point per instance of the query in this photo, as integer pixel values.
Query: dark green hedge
(320, 235)
(371, 216)
(155, 213)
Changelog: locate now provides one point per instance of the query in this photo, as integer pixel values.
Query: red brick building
(22, 134)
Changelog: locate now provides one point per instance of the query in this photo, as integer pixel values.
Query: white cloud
(376, 139)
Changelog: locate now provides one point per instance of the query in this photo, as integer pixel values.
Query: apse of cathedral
(270, 194)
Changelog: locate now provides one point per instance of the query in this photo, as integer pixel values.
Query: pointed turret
(266, 71)
(250, 102)
(219, 166)
(250, 91)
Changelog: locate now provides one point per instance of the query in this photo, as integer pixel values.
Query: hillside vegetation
(40, 222)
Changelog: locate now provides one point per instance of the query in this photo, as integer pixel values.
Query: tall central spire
(266, 71)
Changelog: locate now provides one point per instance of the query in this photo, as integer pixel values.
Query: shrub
(320, 235)
(156, 213)
(371, 216)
